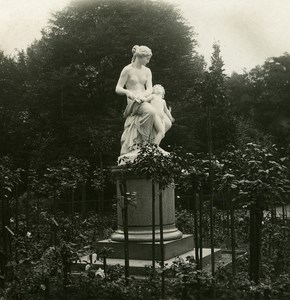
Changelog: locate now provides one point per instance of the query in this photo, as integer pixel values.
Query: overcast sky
(249, 31)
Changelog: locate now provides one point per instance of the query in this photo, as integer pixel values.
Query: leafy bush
(184, 220)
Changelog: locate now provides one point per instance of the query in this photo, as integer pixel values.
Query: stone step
(139, 267)
(143, 250)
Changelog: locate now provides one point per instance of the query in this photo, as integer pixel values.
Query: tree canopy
(68, 77)
(261, 97)
(58, 97)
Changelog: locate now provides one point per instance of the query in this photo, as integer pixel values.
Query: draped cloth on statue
(138, 127)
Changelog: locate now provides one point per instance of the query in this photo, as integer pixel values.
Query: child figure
(164, 119)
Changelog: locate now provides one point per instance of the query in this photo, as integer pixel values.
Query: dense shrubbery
(47, 279)
(42, 249)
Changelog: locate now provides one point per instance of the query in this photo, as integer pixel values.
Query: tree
(213, 103)
(212, 98)
(74, 67)
(257, 178)
(261, 97)
(15, 121)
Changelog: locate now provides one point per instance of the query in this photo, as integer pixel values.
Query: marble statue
(146, 115)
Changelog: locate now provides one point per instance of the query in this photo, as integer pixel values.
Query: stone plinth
(143, 250)
(139, 267)
(140, 222)
(140, 214)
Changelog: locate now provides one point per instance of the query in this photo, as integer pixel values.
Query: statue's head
(140, 51)
(158, 89)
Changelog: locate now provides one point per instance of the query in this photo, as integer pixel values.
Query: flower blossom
(100, 273)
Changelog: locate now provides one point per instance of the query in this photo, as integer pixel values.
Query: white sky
(249, 31)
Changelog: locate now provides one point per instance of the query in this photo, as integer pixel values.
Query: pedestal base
(143, 250)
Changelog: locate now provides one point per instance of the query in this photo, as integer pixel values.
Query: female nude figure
(136, 83)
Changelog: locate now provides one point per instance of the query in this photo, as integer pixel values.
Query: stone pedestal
(140, 214)
(143, 250)
(140, 222)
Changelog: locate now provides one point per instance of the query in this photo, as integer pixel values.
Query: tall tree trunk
(256, 217)
(102, 179)
(196, 237)
(200, 226)
(16, 222)
(61, 102)
(153, 226)
(4, 249)
(161, 242)
(210, 151)
(233, 237)
(126, 234)
(84, 207)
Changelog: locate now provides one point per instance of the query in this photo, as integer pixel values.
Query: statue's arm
(121, 83)
(148, 98)
(168, 113)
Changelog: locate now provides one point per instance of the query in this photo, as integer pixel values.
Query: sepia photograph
(144, 150)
